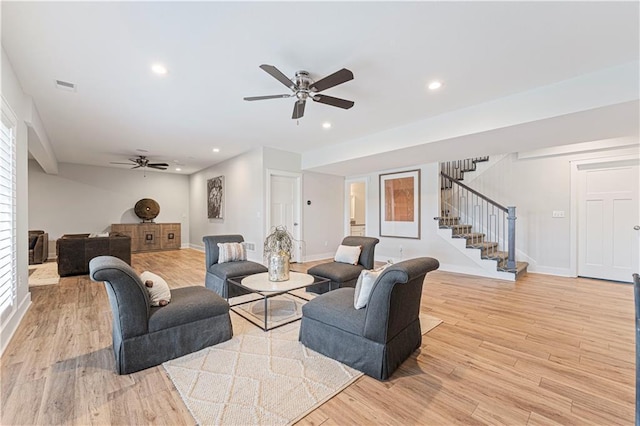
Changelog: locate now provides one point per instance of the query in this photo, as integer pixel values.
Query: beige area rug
(43, 274)
(260, 378)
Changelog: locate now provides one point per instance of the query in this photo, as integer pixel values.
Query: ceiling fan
(303, 88)
(143, 161)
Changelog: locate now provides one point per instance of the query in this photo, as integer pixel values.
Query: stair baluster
(494, 224)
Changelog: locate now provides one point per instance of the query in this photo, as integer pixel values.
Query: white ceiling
(481, 51)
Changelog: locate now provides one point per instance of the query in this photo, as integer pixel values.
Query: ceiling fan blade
(334, 79)
(259, 98)
(278, 75)
(336, 102)
(158, 165)
(126, 164)
(136, 167)
(298, 109)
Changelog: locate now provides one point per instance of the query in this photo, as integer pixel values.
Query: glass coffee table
(271, 304)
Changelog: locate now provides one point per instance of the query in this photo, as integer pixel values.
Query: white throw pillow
(157, 288)
(364, 286)
(231, 252)
(348, 254)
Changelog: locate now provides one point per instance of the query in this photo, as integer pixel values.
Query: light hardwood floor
(543, 351)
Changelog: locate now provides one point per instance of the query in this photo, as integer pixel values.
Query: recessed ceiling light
(178, 169)
(435, 85)
(326, 125)
(159, 69)
(216, 149)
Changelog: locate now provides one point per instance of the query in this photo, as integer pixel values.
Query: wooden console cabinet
(150, 236)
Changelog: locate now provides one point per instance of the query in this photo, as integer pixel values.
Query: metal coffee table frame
(265, 296)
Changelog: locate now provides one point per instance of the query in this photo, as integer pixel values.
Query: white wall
(430, 243)
(86, 199)
(243, 201)
(15, 98)
(537, 186)
(323, 219)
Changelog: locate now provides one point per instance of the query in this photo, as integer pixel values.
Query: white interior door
(608, 244)
(284, 209)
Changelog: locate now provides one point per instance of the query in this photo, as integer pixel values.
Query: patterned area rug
(259, 378)
(43, 274)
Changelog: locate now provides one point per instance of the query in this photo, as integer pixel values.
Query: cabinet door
(171, 238)
(129, 229)
(148, 237)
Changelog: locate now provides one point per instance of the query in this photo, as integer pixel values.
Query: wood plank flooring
(542, 351)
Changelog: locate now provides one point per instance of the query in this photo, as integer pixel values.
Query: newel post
(511, 260)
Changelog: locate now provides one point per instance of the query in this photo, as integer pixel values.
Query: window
(8, 275)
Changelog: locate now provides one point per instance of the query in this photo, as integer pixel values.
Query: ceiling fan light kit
(303, 88)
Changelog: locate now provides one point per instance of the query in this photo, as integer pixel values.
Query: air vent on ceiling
(65, 85)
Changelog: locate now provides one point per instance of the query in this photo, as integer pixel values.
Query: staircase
(479, 227)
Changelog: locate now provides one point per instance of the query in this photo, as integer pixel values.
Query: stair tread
(483, 245)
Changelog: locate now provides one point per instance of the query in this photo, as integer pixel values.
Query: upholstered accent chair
(218, 273)
(379, 337)
(145, 336)
(38, 247)
(344, 274)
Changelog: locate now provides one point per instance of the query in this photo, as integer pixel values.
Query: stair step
(521, 269)
(496, 255)
(447, 221)
(484, 246)
(473, 238)
(457, 229)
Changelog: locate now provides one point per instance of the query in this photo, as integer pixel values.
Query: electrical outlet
(557, 213)
(250, 246)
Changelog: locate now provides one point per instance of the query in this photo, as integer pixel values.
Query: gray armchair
(38, 247)
(343, 274)
(379, 337)
(218, 273)
(145, 336)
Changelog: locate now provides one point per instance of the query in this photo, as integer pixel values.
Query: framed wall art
(215, 198)
(400, 204)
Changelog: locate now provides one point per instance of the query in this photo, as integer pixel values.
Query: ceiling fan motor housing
(303, 82)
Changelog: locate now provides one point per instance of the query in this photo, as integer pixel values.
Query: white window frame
(8, 237)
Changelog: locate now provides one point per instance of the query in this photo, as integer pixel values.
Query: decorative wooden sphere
(147, 209)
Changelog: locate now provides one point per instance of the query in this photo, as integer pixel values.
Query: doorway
(284, 208)
(356, 191)
(608, 220)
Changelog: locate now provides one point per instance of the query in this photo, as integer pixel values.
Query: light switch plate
(558, 213)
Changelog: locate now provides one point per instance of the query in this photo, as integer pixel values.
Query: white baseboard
(196, 247)
(10, 327)
(548, 270)
(479, 272)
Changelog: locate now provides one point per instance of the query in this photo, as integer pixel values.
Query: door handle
(296, 224)
(637, 227)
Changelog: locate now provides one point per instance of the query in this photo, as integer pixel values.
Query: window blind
(8, 276)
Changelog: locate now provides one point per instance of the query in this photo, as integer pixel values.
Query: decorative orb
(147, 209)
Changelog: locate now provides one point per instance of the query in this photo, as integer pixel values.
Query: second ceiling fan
(303, 88)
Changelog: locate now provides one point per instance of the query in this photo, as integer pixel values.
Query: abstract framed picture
(400, 204)
(215, 197)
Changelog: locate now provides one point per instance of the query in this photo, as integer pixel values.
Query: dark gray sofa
(145, 336)
(379, 337)
(218, 273)
(343, 274)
